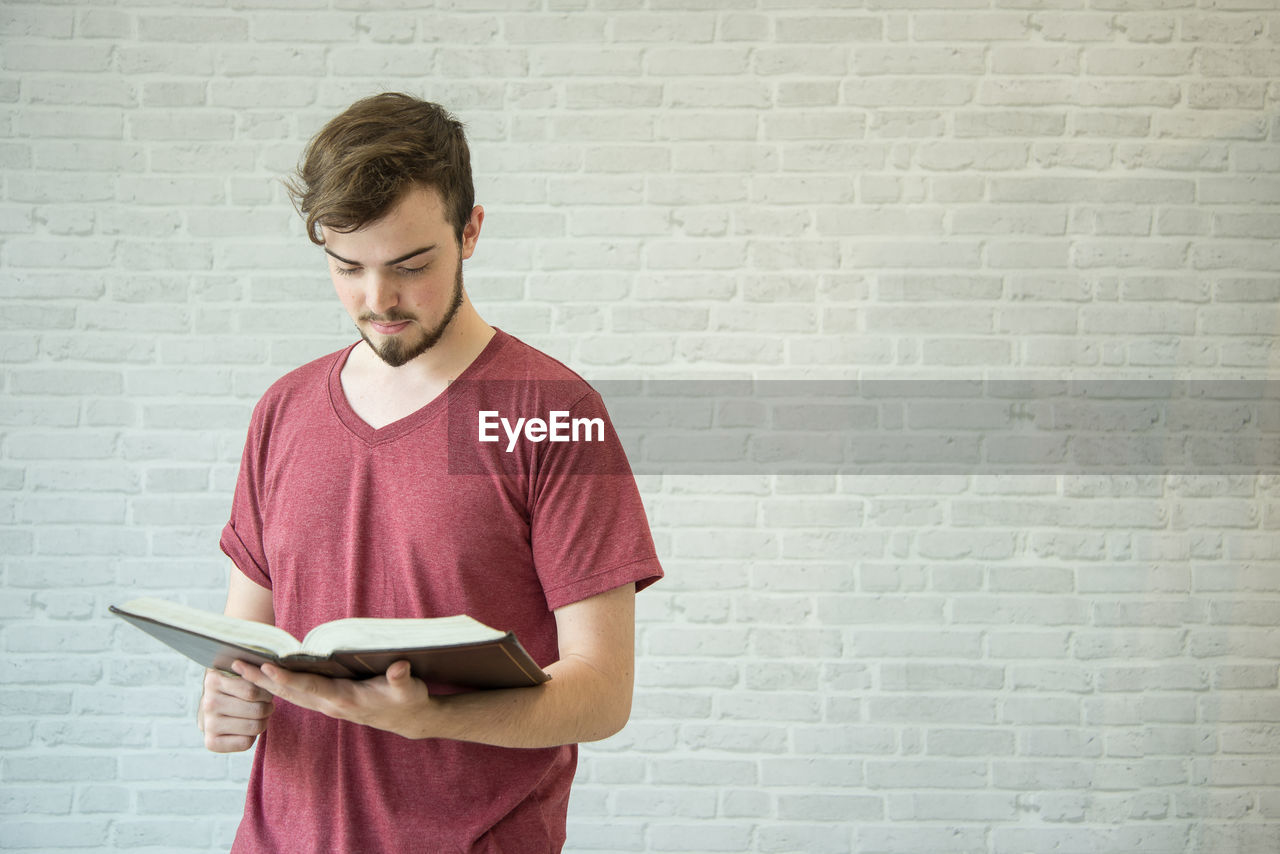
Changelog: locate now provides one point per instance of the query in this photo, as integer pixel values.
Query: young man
(355, 498)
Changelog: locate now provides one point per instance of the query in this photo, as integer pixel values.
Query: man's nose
(380, 292)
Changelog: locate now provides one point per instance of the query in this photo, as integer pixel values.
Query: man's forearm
(580, 703)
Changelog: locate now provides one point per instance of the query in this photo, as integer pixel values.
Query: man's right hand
(233, 712)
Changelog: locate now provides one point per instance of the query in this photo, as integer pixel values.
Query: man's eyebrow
(390, 263)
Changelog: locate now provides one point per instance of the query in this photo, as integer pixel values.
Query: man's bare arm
(588, 697)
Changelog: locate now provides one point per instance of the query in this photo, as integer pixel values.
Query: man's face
(400, 278)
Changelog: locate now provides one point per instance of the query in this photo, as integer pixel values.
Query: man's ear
(471, 231)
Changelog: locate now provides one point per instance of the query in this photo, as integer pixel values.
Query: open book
(456, 651)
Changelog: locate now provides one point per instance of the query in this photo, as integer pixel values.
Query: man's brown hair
(360, 164)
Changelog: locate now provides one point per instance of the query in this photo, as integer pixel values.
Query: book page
(356, 633)
(219, 626)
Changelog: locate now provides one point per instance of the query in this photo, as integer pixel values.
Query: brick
(58, 57)
(894, 92)
(1239, 62)
(721, 836)
(690, 26)
(920, 59)
(63, 833)
(1137, 62)
(1134, 838)
(967, 807)
(696, 61)
(918, 773)
(843, 29)
(962, 27)
(58, 768)
(1022, 60)
(37, 21)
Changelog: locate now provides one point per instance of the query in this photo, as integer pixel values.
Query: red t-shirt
(340, 519)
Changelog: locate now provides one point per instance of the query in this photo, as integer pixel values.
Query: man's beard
(396, 352)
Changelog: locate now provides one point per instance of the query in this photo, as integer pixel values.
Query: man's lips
(388, 327)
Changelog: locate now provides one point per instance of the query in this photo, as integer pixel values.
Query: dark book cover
(500, 663)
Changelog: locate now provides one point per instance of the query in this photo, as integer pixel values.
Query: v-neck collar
(370, 435)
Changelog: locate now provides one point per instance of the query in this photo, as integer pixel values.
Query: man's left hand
(395, 702)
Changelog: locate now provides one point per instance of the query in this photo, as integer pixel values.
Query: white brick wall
(760, 188)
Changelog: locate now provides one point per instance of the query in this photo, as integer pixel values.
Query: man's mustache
(391, 316)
